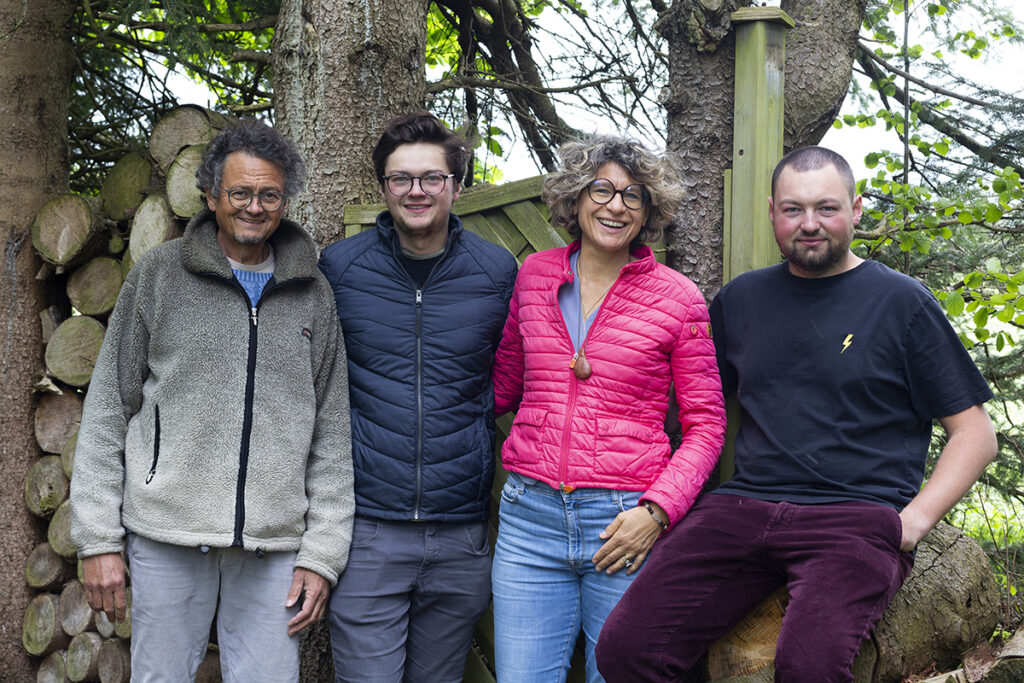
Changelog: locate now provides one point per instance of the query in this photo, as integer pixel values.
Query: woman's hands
(630, 537)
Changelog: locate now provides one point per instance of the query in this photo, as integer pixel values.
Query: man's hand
(314, 589)
(103, 576)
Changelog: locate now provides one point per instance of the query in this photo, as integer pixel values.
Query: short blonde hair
(579, 163)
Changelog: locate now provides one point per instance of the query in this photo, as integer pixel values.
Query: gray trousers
(406, 605)
(177, 590)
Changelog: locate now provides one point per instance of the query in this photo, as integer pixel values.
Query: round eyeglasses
(602, 191)
(271, 200)
(400, 184)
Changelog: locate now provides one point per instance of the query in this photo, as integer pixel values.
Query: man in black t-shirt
(840, 365)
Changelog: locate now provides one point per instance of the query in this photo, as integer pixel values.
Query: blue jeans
(406, 605)
(544, 582)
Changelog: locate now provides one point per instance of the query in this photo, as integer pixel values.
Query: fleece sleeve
(115, 394)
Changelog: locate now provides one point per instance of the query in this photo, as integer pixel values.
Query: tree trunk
(699, 108)
(819, 65)
(35, 73)
(341, 70)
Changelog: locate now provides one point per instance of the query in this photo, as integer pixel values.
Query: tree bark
(819, 65)
(699, 108)
(35, 73)
(341, 70)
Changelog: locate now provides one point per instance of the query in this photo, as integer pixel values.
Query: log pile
(88, 245)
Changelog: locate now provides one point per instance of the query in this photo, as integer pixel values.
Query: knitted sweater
(210, 422)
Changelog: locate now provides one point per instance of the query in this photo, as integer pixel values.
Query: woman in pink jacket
(597, 335)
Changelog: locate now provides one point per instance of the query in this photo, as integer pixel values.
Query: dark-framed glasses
(400, 184)
(602, 191)
(271, 200)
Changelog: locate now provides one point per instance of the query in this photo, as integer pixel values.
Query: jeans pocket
(477, 538)
(365, 532)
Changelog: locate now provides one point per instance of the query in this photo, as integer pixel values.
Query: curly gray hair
(257, 139)
(580, 161)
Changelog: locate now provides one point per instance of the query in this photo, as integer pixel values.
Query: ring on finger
(627, 562)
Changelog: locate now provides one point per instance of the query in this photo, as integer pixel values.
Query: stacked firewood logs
(88, 245)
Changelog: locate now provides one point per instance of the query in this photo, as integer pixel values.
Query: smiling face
(243, 232)
(420, 219)
(610, 227)
(813, 217)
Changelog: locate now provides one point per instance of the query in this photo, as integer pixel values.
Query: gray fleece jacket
(211, 423)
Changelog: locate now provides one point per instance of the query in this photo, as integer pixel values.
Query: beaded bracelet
(663, 525)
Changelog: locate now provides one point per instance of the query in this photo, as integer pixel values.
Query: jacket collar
(644, 260)
(388, 233)
(294, 250)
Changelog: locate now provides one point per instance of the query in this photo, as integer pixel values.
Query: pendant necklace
(579, 364)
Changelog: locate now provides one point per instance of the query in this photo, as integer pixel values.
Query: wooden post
(748, 242)
(757, 136)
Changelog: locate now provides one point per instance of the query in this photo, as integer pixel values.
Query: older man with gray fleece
(214, 445)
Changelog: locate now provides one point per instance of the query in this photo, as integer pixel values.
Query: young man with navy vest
(422, 302)
(840, 365)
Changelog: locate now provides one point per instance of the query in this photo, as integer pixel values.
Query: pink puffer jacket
(607, 431)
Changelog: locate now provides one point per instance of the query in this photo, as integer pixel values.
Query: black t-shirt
(420, 267)
(839, 380)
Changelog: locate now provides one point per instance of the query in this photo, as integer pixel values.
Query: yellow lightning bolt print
(847, 342)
